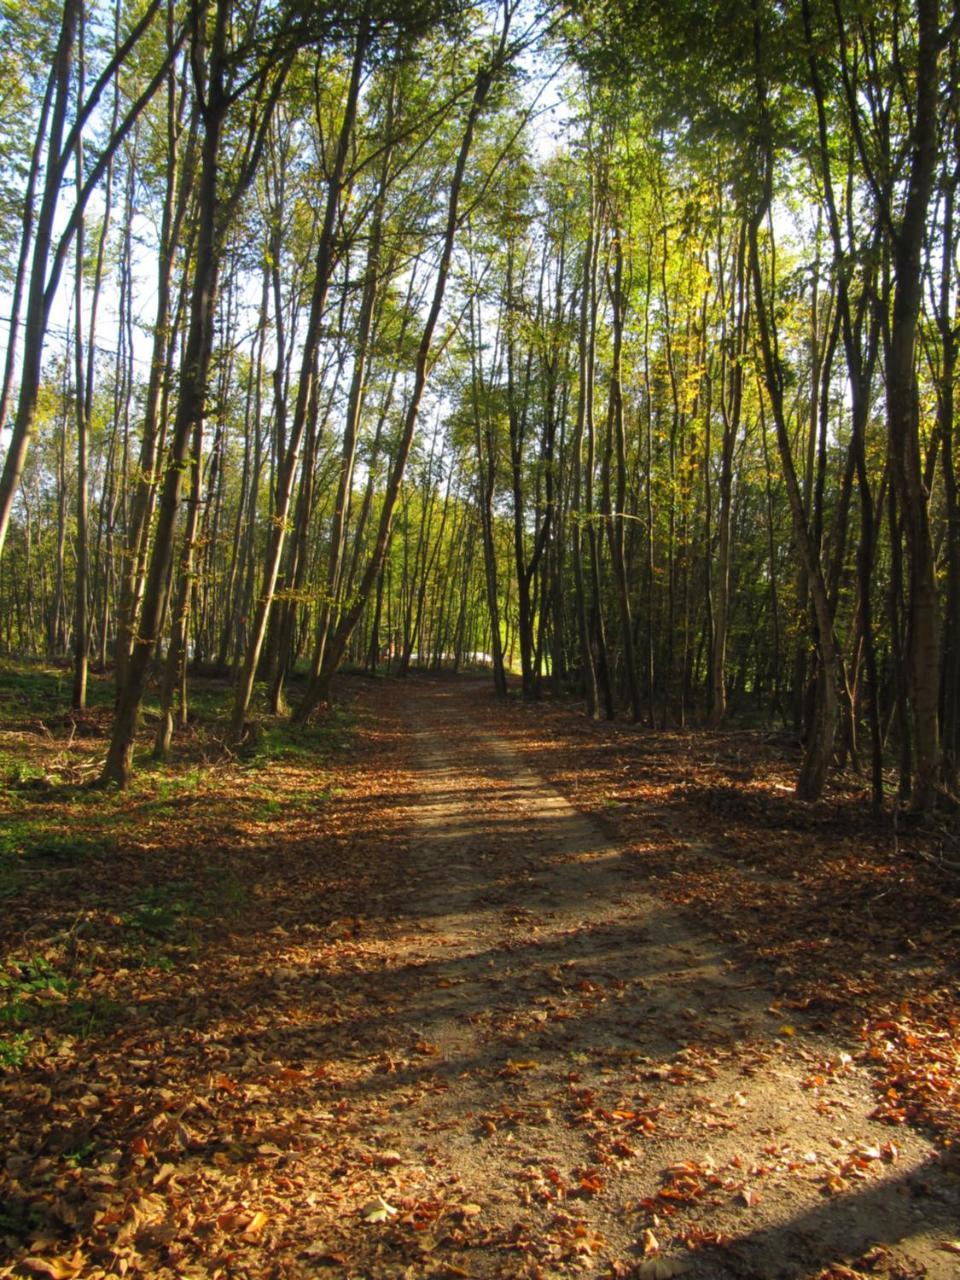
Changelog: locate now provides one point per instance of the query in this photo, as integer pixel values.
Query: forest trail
(400, 1007)
(580, 1082)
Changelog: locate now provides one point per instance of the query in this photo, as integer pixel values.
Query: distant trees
(329, 354)
(41, 243)
(852, 94)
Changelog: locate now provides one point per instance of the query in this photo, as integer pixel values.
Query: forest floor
(449, 988)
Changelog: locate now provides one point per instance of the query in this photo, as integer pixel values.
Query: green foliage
(29, 847)
(294, 743)
(33, 976)
(32, 991)
(14, 1051)
(162, 910)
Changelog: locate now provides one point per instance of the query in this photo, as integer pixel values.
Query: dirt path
(572, 1080)
(406, 1012)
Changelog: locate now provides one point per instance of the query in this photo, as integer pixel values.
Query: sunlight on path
(606, 1089)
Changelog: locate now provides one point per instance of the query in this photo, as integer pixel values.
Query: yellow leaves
(254, 1228)
(649, 1244)
(52, 994)
(387, 1159)
(239, 1221)
(164, 1175)
(834, 1185)
(513, 1068)
(61, 1268)
(377, 1211)
(586, 1242)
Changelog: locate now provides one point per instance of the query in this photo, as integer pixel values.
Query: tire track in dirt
(603, 1079)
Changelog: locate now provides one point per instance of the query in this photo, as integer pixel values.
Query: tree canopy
(615, 342)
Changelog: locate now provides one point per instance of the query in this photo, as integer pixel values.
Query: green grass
(81, 1156)
(165, 919)
(35, 688)
(65, 849)
(296, 743)
(31, 844)
(161, 911)
(12, 876)
(14, 1051)
(29, 990)
(15, 772)
(53, 831)
(37, 996)
(90, 1016)
(43, 688)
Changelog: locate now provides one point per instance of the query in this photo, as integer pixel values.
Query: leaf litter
(440, 1026)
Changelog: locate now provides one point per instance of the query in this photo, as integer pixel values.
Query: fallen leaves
(287, 1093)
(322, 1256)
(857, 936)
(378, 1210)
(254, 1228)
(387, 1159)
(661, 1268)
(687, 1182)
(512, 1068)
(590, 1183)
(62, 1268)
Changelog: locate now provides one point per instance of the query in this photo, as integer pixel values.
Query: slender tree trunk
(819, 746)
(214, 206)
(287, 465)
(177, 192)
(319, 688)
(903, 420)
(731, 401)
(614, 511)
(48, 261)
(175, 666)
(578, 513)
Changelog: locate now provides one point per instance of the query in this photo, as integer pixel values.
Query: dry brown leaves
(857, 934)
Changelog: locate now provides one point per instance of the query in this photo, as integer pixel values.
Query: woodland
(479, 638)
(616, 345)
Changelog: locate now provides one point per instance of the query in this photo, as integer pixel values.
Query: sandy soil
(451, 1026)
(584, 1080)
